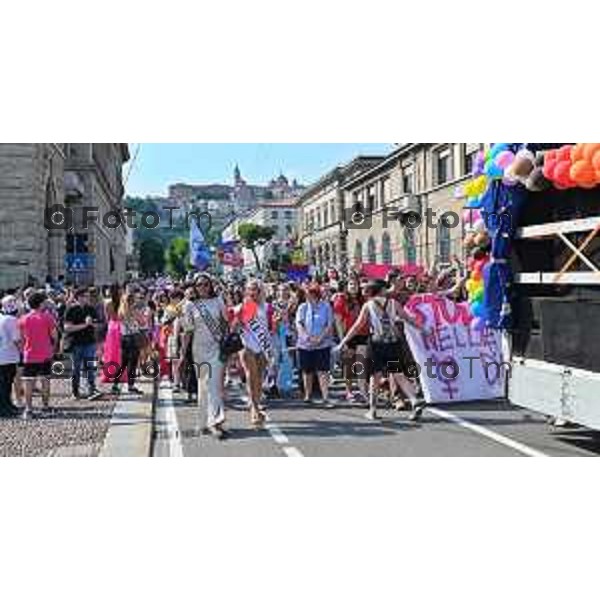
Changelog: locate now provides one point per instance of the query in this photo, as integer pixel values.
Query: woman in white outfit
(205, 319)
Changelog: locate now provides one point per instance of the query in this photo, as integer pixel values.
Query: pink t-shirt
(36, 331)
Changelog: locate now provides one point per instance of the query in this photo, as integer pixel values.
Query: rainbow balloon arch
(502, 179)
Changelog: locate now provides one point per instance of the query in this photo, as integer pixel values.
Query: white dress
(207, 362)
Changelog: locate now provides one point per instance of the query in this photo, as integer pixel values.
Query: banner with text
(457, 363)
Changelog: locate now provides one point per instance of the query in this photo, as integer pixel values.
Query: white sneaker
(371, 415)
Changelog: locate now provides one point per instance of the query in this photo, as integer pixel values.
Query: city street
(294, 430)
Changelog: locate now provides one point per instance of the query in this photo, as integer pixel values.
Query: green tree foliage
(252, 236)
(152, 256)
(178, 257)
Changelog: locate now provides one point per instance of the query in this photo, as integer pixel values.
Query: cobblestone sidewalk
(67, 428)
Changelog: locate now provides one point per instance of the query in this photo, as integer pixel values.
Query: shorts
(389, 357)
(359, 340)
(31, 370)
(315, 361)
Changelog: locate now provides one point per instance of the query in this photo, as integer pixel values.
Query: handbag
(230, 342)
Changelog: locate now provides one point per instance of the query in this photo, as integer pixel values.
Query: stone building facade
(321, 215)
(423, 179)
(35, 177)
(31, 178)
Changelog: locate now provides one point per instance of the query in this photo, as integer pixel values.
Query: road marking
(488, 433)
(280, 438)
(292, 452)
(172, 426)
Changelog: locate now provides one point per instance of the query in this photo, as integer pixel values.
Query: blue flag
(200, 256)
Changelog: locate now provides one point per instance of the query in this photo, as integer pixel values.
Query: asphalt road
(482, 429)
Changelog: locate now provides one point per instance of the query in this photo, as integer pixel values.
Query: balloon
(522, 165)
(469, 240)
(492, 170)
(505, 159)
(482, 238)
(564, 153)
(509, 180)
(589, 150)
(562, 174)
(479, 164)
(549, 167)
(596, 163)
(471, 216)
(536, 182)
(477, 276)
(577, 152)
(583, 173)
(480, 185)
(496, 149)
(470, 285)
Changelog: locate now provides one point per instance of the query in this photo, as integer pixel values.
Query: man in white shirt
(10, 343)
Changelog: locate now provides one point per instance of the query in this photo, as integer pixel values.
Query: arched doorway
(410, 246)
(358, 251)
(372, 250)
(386, 249)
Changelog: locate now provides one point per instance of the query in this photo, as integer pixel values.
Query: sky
(159, 165)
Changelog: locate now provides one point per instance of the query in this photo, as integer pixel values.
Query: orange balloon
(577, 152)
(596, 161)
(589, 150)
(583, 173)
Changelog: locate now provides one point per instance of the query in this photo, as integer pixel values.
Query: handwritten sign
(457, 363)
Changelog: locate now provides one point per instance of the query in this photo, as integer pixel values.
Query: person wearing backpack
(384, 317)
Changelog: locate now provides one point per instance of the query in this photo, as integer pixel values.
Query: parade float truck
(556, 307)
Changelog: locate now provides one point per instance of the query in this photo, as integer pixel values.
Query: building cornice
(336, 175)
(386, 164)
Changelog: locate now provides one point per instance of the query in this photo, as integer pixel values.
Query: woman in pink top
(38, 332)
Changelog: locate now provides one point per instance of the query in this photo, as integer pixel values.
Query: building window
(386, 249)
(410, 246)
(318, 211)
(444, 243)
(325, 215)
(470, 155)
(371, 200)
(408, 180)
(383, 192)
(358, 251)
(333, 254)
(289, 215)
(443, 164)
(372, 250)
(332, 210)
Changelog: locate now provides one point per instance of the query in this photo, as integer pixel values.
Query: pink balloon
(471, 216)
(505, 159)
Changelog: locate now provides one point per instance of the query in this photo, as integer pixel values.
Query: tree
(152, 256)
(178, 257)
(252, 236)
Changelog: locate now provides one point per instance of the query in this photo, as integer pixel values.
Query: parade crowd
(204, 335)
